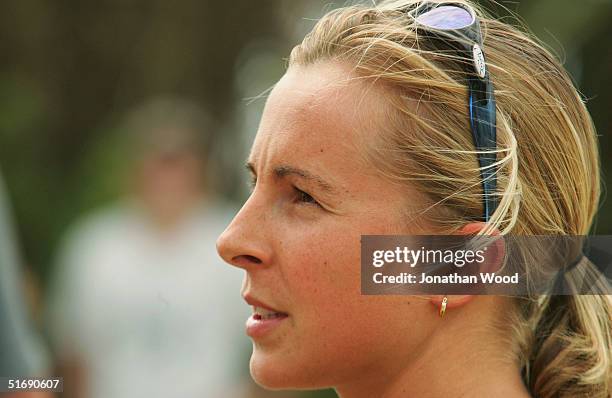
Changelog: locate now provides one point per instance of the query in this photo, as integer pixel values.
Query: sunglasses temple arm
(483, 126)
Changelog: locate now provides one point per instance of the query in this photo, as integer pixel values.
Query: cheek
(335, 325)
(324, 270)
(335, 332)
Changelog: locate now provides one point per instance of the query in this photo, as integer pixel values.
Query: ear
(494, 259)
(496, 251)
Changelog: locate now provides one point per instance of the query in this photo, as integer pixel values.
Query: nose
(244, 242)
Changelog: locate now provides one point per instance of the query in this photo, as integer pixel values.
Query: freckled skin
(310, 257)
(300, 248)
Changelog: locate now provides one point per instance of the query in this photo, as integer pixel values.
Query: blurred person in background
(141, 306)
(21, 352)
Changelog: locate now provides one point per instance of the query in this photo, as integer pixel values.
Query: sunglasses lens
(446, 17)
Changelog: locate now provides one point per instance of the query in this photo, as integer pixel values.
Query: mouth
(263, 314)
(264, 319)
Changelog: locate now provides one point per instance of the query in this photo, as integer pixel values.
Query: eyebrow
(286, 170)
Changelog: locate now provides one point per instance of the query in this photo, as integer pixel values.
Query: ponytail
(570, 352)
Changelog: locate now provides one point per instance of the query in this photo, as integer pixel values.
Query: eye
(303, 197)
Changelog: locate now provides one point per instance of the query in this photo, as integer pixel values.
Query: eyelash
(302, 197)
(305, 198)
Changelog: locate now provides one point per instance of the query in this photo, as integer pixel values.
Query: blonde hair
(548, 165)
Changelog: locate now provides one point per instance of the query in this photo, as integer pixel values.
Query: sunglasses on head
(456, 26)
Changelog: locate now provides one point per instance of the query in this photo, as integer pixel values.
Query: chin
(269, 372)
(280, 372)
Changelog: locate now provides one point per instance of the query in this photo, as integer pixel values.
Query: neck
(461, 358)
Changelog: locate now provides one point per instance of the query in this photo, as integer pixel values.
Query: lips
(264, 320)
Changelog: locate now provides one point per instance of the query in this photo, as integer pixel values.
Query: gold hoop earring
(443, 306)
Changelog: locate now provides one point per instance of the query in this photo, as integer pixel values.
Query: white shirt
(151, 315)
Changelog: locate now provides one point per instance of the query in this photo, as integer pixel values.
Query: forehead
(317, 113)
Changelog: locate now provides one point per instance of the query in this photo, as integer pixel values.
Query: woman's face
(298, 238)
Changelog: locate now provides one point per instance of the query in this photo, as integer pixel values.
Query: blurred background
(99, 103)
